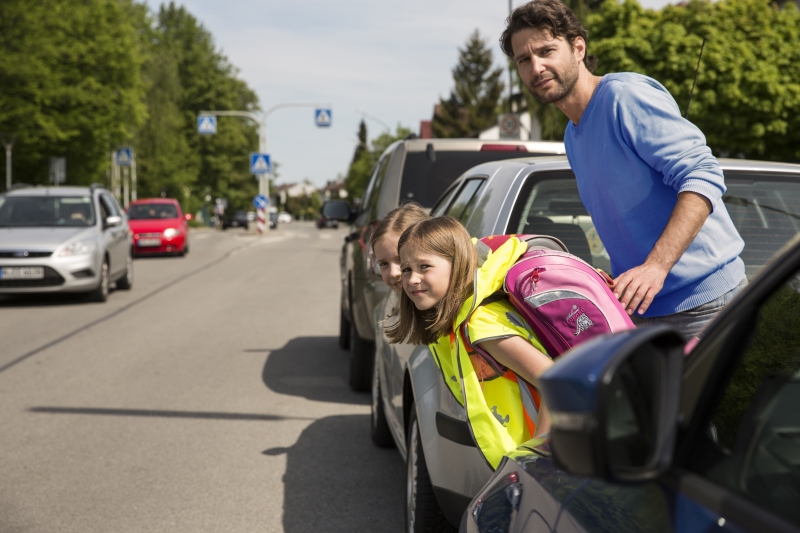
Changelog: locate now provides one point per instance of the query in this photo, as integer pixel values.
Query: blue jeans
(691, 323)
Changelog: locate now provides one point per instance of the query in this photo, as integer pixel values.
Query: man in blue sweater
(644, 173)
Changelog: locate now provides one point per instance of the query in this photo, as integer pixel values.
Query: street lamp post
(261, 121)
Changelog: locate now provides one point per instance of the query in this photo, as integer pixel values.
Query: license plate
(149, 242)
(22, 273)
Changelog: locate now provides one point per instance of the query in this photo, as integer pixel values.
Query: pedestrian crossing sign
(207, 124)
(322, 117)
(259, 163)
(123, 157)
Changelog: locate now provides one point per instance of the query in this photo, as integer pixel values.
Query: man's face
(548, 66)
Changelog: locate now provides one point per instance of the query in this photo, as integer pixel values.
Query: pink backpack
(563, 298)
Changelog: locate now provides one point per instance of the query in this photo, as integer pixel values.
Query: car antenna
(696, 70)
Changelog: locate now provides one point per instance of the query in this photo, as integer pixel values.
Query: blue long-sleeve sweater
(632, 153)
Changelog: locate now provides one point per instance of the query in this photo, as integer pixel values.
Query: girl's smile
(426, 276)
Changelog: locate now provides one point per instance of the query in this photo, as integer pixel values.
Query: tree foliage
(747, 98)
(70, 84)
(472, 105)
(82, 78)
(364, 159)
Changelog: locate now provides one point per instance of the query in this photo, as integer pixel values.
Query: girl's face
(388, 260)
(426, 276)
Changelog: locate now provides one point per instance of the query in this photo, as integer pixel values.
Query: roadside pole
(207, 125)
(9, 144)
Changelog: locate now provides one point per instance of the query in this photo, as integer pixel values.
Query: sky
(385, 62)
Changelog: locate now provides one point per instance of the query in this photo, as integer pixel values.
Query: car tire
(362, 354)
(422, 509)
(344, 331)
(100, 294)
(126, 281)
(381, 434)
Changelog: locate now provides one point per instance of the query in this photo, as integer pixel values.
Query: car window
(461, 208)
(424, 180)
(27, 211)
(766, 211)
(372, 204)
(154, 211)
(367, 197)
(443, 202)
(753, 441)
(109, 206)
(549, 204)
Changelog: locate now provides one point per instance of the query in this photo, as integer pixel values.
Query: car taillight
(503, 148)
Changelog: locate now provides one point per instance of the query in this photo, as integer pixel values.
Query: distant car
(64, 239)
(325, 222)
(237, 219)
(159, 227)
(413, 407)
(284, 217)
(645, 438)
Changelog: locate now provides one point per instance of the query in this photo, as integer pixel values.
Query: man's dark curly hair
(553, 16)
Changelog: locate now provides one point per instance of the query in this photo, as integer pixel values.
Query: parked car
(235, 219)
(647, 439)
(284, 217)
(64, 239)
(411, 406)
(159, 227)
(326, 222)
(413, 169)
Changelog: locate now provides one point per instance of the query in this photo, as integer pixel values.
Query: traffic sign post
(261, 202)
(261, 166)
(124, 158)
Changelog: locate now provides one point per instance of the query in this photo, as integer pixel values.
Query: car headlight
(171, 232)
(78, 248)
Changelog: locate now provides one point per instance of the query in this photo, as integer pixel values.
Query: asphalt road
(211, 397)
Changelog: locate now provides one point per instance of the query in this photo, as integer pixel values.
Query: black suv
(410, 170)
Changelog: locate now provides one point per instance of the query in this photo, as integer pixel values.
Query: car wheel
(126, 281)
(381, 434)
(362, 354)
(344, 331)
(100, 294)
(422, 510)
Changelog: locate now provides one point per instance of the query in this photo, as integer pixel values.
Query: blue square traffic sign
(322, 117)
(207, 124)
(260, 164)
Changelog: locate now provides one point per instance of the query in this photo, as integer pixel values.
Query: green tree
(747, 96)
(473, 102)
(70, 84)
(361, 169)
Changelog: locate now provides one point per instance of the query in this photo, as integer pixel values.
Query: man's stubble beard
(566, 81)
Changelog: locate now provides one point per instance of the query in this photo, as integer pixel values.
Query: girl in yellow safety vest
(445, 292)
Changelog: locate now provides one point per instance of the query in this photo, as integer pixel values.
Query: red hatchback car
(159, 227)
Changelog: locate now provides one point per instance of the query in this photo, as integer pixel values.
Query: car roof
(155, 201)
(474, 145)
(50, 191)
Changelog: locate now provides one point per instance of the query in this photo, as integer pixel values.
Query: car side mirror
(613, 403)
(188, 216)
(337, 210)
(113, 221)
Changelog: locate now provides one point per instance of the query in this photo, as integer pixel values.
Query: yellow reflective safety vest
(501, 411)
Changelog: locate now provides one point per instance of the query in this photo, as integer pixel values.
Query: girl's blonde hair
(397, 221)
(445, 237)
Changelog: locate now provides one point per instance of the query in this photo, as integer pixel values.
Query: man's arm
(638, 286)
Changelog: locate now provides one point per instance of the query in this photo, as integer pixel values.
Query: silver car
(411, 406)
(63, 239)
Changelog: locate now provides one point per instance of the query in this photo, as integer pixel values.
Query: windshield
(146, 211)
(26, 211)
(424, 180)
